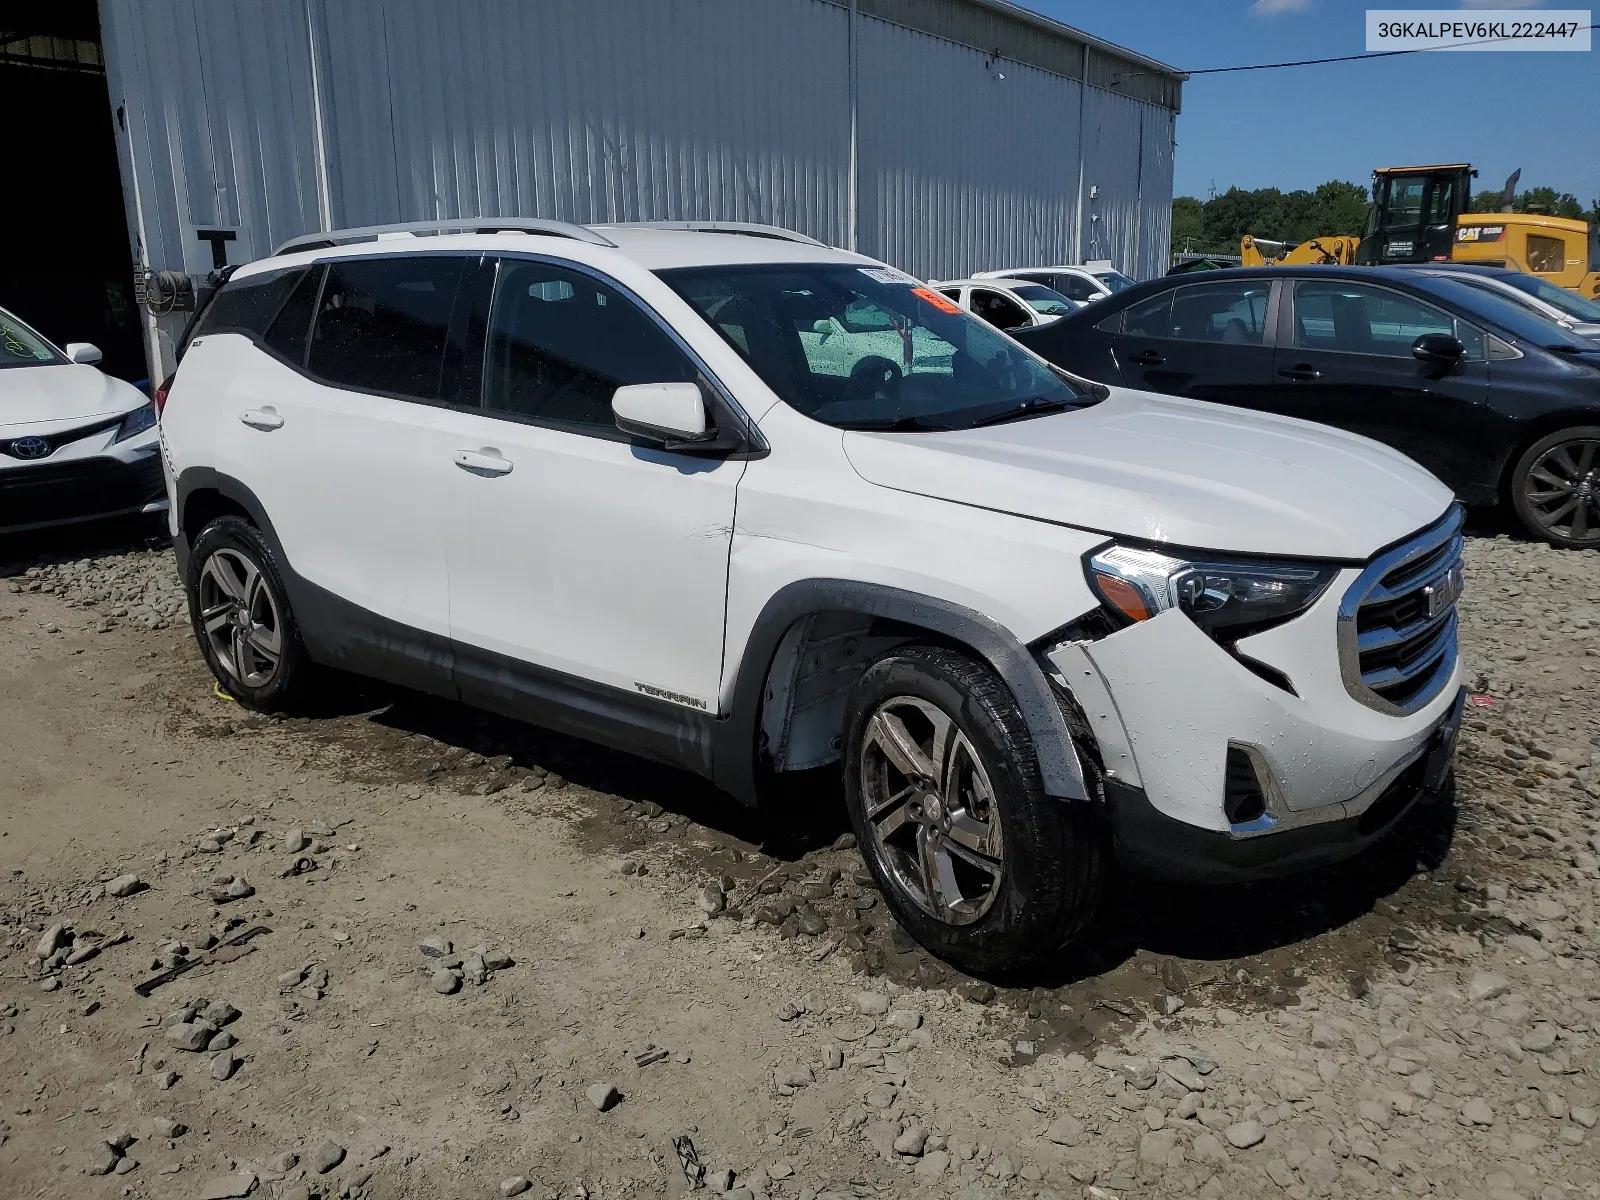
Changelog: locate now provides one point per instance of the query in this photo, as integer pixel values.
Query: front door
(1206, 341)
(1344, 358)
(578, 558)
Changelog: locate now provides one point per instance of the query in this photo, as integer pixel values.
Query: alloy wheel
(931, 808)
(1563, 490)
(240, 618)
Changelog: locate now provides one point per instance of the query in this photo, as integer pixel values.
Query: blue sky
(1296, 127)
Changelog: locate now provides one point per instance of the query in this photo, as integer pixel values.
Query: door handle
(1148, 358)
(1301, 372)
(487, 462)
(265, 419)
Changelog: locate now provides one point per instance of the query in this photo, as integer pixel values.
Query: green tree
(1291, 217)
(1546, 199)
(1188, 224)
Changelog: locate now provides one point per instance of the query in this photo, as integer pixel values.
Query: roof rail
(749, 229)
(371, 233)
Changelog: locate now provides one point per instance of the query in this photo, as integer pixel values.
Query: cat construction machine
(1421, 214)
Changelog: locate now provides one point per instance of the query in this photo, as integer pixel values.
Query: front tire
(1555, 488)
(943, 790)
(241, 617)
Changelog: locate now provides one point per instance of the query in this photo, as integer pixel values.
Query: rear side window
(560, 343)
(382, 323)
(290, 328)
(1149, 318)
(248, 305)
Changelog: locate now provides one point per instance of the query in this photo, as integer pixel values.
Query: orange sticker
(942, 303)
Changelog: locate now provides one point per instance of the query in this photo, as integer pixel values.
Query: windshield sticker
(943, 303)
(885, 275)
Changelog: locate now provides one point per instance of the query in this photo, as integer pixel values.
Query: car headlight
(1229, 599)
(135, 422)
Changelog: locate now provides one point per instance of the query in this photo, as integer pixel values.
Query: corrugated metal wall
(269, 116)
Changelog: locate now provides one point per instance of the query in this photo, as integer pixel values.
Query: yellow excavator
(1420, 214)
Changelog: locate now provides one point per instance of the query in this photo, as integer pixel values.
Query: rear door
(1344, 358)
(334, 446)
(1207, 341)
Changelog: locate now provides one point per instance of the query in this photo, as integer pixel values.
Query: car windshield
(22, 347)
(1571, 303)
(1515, 319)
(1043, 300)
(1115, 280)
(870, 348)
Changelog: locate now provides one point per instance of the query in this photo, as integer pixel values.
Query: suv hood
(1172, 471)
(61, 396)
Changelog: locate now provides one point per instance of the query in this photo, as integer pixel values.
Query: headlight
(137, 421)
(1227, 599)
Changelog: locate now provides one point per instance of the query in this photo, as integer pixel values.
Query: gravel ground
(498, 961)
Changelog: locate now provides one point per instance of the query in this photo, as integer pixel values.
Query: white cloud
(1273, 8)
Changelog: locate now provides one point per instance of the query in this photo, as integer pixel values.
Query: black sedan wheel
(1555, 488)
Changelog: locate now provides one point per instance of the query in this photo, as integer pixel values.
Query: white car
(1008, 303)
(75, 444)
(606, 479)
(1567, 309)
(1083, 284)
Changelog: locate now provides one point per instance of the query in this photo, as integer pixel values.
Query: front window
(1042, 300)
(868, 348)
(22, 347)
(1115, 280)
(1356, 319)
(1571, 303)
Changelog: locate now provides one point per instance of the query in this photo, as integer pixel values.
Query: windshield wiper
(1037, 407)
(894, 425)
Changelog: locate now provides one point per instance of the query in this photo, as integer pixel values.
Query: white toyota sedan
(75, 444)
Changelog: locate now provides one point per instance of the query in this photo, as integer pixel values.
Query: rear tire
(943, 790)
(241, 617)
(1555, 488)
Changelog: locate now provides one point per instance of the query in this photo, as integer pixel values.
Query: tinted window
(932, 367)
(1073, 287)
(1149, 318)
(560, 343)
(382, 322)
(1045, 301)
(1362, 320)
(1235, 313)
(247, 305)
(1000, 311)
(287, 334)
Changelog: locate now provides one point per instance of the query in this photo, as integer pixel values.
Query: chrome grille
(1397, 623)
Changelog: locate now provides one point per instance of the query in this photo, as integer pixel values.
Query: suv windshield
(1115, 280)
(1043, 300)
(1515, 319)
(870, 348)
(22, 347)
(1570, 303)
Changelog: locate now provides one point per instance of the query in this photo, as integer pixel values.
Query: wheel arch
(203, 495)
(1540, 427)
(816, 613)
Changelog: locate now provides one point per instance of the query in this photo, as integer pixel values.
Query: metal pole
(1083, 103)
(850, 199)
(324, 198)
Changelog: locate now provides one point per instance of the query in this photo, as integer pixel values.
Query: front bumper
(1151, 844)
(79, 489)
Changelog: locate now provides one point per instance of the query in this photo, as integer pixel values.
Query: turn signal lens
(161, 394)
(1123, 597)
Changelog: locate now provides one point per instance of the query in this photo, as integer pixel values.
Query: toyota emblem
(30, 447)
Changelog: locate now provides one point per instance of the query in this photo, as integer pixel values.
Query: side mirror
(665, 413)
(1437, 348)
(82, 353)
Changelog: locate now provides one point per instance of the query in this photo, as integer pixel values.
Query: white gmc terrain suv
(730, 499)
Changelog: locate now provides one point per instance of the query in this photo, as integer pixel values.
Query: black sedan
(1499, 403)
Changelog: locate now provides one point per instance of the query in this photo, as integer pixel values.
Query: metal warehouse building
(944, 136)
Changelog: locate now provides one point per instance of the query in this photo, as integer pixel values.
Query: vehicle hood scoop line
(1172, 471)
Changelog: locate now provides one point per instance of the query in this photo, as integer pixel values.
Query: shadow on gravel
(92, 539)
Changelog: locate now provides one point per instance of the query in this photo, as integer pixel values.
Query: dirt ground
(646, 961)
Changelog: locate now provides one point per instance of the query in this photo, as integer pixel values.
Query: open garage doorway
(65, 262)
